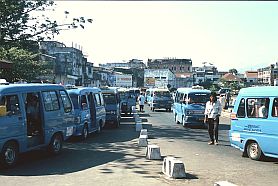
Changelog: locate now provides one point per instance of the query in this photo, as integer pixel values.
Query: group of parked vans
(34, 116)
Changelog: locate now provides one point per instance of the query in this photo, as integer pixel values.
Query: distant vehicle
(224, 91)
(3, 82)
(127, 99)
(111, 98)
(89, 110)
(159, 98)
(33, 116)
(135, 92)
(189, 106)
(254, 120)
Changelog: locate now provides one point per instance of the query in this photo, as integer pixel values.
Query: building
(70, 66)
(175, 65)
(208, 72)
(133, 63)
(160, 78)
(267, 75)
(251, 77)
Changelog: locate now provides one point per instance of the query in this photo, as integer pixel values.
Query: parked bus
(189, 106)
(254, 120)
(33, 116)
(160, 98)
(89, 110)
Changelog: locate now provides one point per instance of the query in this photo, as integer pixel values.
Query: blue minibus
(111, 98)
(89, 110)
(160, 98)
(33, 116)
(189, 106)
(254, 122)
(127, 100)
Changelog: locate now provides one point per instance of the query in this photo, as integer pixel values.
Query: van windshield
(109, 98)
(74, 99)
(123, 95)
(198, 98)
(163, 94)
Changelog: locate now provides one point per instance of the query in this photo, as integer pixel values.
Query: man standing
(141, 100)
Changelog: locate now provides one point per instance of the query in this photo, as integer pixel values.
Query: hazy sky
(241, 35)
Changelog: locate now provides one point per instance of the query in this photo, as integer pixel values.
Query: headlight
(77, 120)
(111, 112)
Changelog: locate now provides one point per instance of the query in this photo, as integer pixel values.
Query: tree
(25, 67)
(233, 71)
(18, 25)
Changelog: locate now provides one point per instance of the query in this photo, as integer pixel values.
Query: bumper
(161, 105)
(194, 120)
(111, 118)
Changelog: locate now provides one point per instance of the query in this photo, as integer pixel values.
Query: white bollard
(173, 168)
(133, 108)
(223, 183)
(143, 142)
(153, 152)
(138, 120)
(138, 127)
(144, 132)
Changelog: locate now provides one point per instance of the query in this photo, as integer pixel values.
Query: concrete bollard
(138, 127)
(153, 152)
(133, 108)
(144, 132)
(173, 168)
(223, 183)
(138, 120)
(143, 142)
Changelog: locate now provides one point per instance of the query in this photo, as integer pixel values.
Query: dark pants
(141, 108)
(213, 128)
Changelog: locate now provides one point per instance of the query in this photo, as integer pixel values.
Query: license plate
(69, 131)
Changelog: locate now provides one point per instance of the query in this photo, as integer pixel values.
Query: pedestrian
(212, 114)
(141, 100)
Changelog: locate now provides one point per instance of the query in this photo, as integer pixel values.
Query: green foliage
(18, 24)
(24, 67)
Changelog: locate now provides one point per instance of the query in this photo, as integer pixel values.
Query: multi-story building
(160, 78)
(133, 63)
(70, 66)
(175, 65)
(251, 77)
(268, 75)
(205, 73)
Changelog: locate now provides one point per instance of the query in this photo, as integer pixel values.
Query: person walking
(212, 113)
(141, 100)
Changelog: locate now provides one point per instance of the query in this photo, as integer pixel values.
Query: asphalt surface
(114, 158)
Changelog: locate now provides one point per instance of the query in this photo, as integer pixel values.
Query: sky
(241, 35)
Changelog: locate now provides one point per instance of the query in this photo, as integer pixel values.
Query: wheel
(55, 145)
(176, 119)
(9, 154)
(85, 132)
(254, 151)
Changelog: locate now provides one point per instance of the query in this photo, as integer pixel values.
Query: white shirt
(141, 100)
(213, 109)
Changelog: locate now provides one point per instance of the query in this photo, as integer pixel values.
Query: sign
(150, 81)
(124, 80)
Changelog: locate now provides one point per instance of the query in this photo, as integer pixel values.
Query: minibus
(189, 106)
(33, 116)
(254, 122)
(89, 110)
(127, 100)
(111, 98)
(160, 98)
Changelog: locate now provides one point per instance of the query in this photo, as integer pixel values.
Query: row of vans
(34, 116)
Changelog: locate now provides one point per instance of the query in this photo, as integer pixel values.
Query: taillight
(233, 116)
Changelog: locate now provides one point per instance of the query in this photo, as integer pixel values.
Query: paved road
(113, 158)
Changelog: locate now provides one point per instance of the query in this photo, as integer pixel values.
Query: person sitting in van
(33, 114)
(263, 110)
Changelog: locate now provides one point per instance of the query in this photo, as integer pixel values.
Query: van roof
(190, 90)
(109, 90)
(80, 90)
(259, 91)
(28, 87)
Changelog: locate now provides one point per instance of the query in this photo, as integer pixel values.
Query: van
(254, 120)
(127, 99)
(33, 116)
(160, 98)
(89, 110)
(189, 106)
(111, 98)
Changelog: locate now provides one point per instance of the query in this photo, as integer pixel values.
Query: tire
(9, 154)
(85, 132)
(56, 144)
(254, 151)
(176, 119)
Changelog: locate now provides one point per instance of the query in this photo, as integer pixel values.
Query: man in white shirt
(212, 114)
(141, 100)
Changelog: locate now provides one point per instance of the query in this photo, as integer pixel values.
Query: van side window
(241, 109)
(50, 100)
(83, 102)
(9, 105)
(257, 107)
(97, 98)
(274, 112)
(101, 99)
(66, 101)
